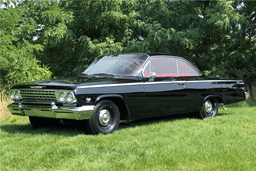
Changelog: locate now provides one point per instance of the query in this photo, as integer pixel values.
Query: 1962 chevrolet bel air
(125, 87)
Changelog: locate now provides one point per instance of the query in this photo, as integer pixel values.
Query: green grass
(226, 142)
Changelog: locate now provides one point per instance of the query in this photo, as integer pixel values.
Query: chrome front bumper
(77, 113)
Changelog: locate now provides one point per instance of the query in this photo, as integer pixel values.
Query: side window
(185, 69)
(163, 67)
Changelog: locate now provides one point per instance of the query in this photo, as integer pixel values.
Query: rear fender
(218, 97)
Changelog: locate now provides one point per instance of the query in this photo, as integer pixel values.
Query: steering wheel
(130, 67)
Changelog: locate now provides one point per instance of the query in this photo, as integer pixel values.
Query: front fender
(120, 101)
(109, 96)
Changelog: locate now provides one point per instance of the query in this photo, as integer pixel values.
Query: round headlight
(13, 95)
(62, 97)
(17, 95)
(70, 97)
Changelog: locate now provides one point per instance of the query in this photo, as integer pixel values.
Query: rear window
(169, 67)
(185, 69)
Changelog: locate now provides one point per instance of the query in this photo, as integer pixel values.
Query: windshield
(121, 64)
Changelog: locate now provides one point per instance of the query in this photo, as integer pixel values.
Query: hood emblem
(36, 87)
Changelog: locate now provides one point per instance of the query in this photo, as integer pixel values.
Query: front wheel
(105, 118)
(209, 108)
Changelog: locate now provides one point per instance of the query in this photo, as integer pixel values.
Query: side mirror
(152, 76)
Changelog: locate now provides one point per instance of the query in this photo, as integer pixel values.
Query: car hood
(72, 83)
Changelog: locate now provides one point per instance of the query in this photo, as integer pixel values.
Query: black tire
(105, 118)
(209, 108)
(37, 122)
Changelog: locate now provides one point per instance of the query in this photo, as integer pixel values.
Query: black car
(125, 87)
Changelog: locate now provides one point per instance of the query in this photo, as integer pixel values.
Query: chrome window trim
(177, 67)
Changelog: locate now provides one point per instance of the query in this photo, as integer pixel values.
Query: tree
(218, 36)
(246, 38)
(75, 32)
(18, 51)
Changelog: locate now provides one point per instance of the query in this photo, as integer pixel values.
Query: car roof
(149, 54)
(153, 54)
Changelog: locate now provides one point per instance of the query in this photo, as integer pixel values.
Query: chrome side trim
(111, 85)
(158, 82)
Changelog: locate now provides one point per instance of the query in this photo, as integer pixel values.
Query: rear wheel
(105, 118)
(209, 108)
(37, 122)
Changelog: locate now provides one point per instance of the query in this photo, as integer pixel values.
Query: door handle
(181, 84)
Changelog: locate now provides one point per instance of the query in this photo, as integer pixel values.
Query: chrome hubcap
(208, 106)
(104, 117)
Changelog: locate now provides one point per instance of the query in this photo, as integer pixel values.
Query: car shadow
(64, 129)
(154, 120)
(223, 113)
(78, 128)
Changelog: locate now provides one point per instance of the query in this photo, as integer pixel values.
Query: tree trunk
(251, 92)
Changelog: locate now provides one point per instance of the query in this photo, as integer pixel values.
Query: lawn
(183, 142)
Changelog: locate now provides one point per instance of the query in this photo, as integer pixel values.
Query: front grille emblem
(36, 87)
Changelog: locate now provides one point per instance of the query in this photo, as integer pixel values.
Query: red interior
(170, 75)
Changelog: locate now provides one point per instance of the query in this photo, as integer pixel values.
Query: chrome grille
(38, 96)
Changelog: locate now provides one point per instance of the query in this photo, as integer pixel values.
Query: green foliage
(74, 33)
(166, 27)
(18, 61)
(15, 118)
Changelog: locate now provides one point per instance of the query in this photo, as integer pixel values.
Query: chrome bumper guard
(247, 95)
(77, 113)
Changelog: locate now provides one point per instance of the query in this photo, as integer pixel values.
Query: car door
(163, 94)
(194, 86)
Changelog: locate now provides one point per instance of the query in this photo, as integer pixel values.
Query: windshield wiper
(84, 75)
(103, 75)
